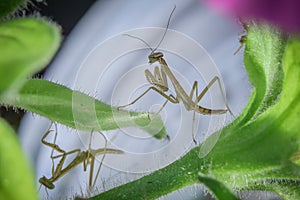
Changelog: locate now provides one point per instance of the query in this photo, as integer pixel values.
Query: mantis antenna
(165, 30)
(167, 27)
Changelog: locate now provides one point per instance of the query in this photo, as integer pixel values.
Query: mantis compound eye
(155, 56)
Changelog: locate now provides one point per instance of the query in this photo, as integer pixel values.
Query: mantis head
(47, 183)
(155, 56)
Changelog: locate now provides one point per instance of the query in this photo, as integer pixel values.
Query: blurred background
(86, 24)
(54, 10)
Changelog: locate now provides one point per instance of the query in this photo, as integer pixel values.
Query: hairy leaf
(8, 6)
(220, 191)
(27, 45)
(80, 111)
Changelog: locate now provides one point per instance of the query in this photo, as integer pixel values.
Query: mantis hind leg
(206, 110)
(204, 91)
(195, 87)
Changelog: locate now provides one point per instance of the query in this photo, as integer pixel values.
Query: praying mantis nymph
(243, 38)
(85, 157)
(242, 41)
(159, 83)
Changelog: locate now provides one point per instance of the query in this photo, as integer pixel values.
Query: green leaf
(220, 191)
(8, 6)
(269, 141)
(16, 178)
(273, 137)
(263, 59)
(284, 181)
(27, 45)
(285, 188)
(80, 111)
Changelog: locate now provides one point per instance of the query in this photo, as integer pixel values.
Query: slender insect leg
(134, 100)
(100, 165)
(164, 104)
(92, 157)
(173, 100)
(89, 150)
(242, 42)
(195, 87)
(66, 153)
(44, 137)
(53, 146)
(59, 167)
(58, 172)
(47, 192)
(216, 78)
(86, 160)
(54, 142)
(168, 97)
(240, 47)
(47, 182)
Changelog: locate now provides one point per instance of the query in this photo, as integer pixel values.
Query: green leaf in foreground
(220, 191)
(80, 111)
(8, 6)
(16, 180)
(27, 45)
(256, 151)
